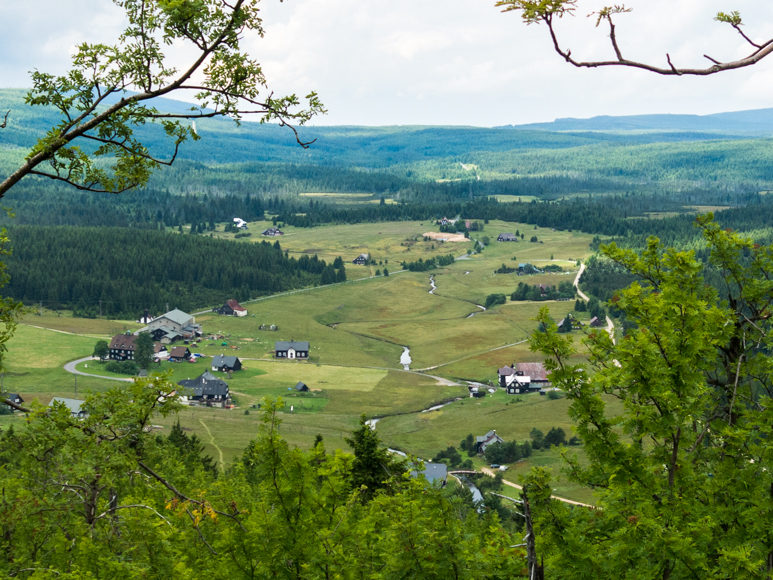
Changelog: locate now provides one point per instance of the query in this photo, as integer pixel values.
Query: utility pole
(41, 308)
(76, 384)
(100, 308)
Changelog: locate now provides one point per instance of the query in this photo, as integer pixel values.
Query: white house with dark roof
(224, 363)
(291, 349)
(361, 260)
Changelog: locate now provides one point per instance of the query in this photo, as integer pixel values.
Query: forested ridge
(127, 270)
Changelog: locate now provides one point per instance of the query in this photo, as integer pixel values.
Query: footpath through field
(491, 473)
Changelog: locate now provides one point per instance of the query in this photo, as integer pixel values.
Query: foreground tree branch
(548, 11)
(109, 90)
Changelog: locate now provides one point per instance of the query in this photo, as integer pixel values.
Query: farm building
(159, 350)
(523, 378)
(14, 398)
(302, 387)
(507, 238)
(273, 232)
(122, 347)
(362, 259)
(74, 405)
(224, 363)
(173, 326)
(595, 322)
(231, 308)
(291, 350)
(207, 389)
(179, 354)
(488, 439)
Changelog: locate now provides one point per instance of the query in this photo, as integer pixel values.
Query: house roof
(488, 437)
(158, 347)
(223, 361)
(14, 397)
(535, 370)
(505, 236)
(178, 352)
(301, 386)
(178, 316)
(595, 321)
(206, 384)
(235, 305)
(74, 405)
(285, 345)
(123, 341)
(506, 371)
(365, 256)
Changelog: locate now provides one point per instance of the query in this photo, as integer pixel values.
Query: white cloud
(446, 61)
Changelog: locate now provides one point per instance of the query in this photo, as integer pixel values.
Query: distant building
(507, 238)
(301, 387)
(14, 398)
(273, 232)
(291, 350)
(488, 439)
(159, 351)
(523, 378)
(174, 325)
(240, 223)
(467, 224)
(224, 363)
(74, 405)
(207, 389)
(231, 308)
(595, 322)
(362, 259)
(179, 354)
(122, 347)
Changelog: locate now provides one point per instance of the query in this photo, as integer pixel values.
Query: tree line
(120, 272)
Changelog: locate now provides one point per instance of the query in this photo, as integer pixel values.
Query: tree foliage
(682, 472)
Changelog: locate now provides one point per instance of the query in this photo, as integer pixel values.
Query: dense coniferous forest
(124, 271)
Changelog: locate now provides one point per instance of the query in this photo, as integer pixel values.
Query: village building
(595, 322)
(231, 308)
(74, 405)
(173, 326)
(523, 378)
(206, 389)
(291, 350)
(488, 439)
(14, 398)
(273, 232)
(301, 387)
(467, 224)
(504, 237)
(362, 259)
(225, 364)
(240, 223)
(179, 354)
(160, 351)
(122, 347)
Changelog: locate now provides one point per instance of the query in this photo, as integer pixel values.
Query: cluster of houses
(173, 326)
(520, 378)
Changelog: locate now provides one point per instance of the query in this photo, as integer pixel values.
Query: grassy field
(357, 331)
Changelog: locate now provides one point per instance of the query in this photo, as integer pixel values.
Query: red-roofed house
(231, 308)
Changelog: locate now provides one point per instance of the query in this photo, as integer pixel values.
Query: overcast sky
(445, 62)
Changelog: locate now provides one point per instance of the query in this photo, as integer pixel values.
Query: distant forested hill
(126, 270)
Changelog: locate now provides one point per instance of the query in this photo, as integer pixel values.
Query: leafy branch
(547, 11)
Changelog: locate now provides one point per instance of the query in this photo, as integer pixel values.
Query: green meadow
(357, 332)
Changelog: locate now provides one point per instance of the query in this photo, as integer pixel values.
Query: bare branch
(5, 120)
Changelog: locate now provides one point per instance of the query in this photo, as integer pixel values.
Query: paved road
(491, 473)
(70, 368)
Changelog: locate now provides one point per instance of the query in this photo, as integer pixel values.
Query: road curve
(491, 473)
(577, 283)
(70, 368)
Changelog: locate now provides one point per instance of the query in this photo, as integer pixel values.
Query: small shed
(301, 387)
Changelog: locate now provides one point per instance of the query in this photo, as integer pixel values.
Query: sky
(444, 62)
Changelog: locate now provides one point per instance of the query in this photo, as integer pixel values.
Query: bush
(494, 299)
(125, 367)
(533, 239)
(553, 395)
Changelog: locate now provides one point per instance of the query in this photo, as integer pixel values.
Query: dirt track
(446, 237)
